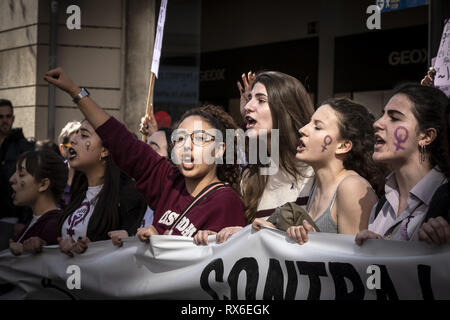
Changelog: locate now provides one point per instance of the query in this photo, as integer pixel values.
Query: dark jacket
(132, 206)
(45, 228)
(13, 146)
(440, 203)
(131, 210)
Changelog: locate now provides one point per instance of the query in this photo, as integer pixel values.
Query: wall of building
(18, 60)
(138, 48)
(91, 56)
(111, 53)
(95, 57)
(236, 24)
(228, 25)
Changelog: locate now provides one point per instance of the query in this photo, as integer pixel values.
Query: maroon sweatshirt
(46, 228)
(163, 186)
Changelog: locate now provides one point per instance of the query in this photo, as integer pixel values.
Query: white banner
(442, 63)
(250, 265)
(157, 45)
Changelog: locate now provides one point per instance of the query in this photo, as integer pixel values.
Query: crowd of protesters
(338, 170)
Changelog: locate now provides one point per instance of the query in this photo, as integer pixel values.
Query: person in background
(161, 142)
(47, 145)
(38, 183)
(64, 144)
(12, 144)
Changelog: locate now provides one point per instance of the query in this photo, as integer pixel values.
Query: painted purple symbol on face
(401, 135)
(326, 142)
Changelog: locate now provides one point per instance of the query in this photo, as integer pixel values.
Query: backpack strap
(440, 203)
(199, 197)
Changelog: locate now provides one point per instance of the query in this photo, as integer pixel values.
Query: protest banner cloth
(251, 265)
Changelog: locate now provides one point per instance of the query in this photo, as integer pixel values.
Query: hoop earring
(422, 153)
(100, 158)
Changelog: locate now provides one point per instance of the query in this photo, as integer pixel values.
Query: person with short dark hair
(12, 144)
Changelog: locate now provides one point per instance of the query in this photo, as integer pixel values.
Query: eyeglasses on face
(198, 137)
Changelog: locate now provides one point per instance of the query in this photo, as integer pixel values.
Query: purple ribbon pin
(401, 135)
(326, 141)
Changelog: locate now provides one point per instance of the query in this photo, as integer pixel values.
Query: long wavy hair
(291, 108)
(221, 121)
(356, 125)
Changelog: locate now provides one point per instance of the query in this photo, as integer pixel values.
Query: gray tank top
(325, 222)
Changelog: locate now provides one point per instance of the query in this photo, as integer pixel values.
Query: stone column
(18, 60)
(140, 33)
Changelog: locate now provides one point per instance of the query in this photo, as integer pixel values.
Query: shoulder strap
(311, 196)
(203, 194)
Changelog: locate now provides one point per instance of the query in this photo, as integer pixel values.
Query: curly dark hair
(221, 121)
(356, 125)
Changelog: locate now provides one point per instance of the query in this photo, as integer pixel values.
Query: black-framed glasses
(198, 137)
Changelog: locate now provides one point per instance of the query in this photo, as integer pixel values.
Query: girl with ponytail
(39, 183)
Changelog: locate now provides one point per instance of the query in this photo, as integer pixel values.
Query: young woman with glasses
(169, 189)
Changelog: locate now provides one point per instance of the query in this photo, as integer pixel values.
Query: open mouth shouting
(379, 142)
(72, 154)
(187, 161)
(250, 122)
(14, 193)
(301, 147)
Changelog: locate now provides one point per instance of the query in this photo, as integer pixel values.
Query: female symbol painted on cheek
(326, 142)
(401, 135)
